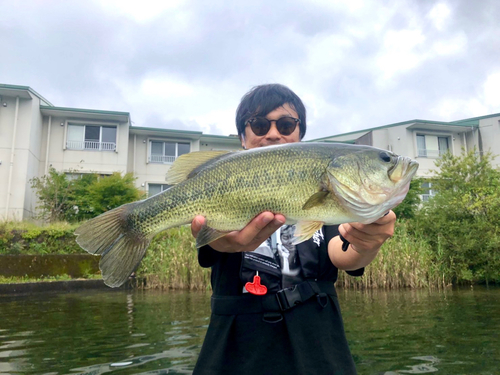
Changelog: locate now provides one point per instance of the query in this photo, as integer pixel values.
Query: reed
(404, 261)
(171, 262)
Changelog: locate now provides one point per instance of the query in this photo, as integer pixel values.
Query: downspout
(465, 142)
(135, 148)
(12, 155)
(48, 146)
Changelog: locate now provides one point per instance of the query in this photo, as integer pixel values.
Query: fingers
(388, 218)
(247, 239)
(260, 228)
(369, 236)
(196, 225)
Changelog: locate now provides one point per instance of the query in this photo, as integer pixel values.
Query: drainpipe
(135, 150)
(48, 146)
(12, 154)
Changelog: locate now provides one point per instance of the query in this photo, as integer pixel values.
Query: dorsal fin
(188, 165)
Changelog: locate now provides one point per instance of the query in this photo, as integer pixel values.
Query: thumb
(196, 225)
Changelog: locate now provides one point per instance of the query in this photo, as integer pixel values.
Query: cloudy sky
(186, 64)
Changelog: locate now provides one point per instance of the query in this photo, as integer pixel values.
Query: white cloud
(491, 90)
(140, 11)
(356, 64)
(439, 15)
(400, 52)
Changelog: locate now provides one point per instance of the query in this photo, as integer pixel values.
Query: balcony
(161, 159)
(91, 145)
(427, 153)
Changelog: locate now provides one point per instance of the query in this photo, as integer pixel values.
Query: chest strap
(283, 300)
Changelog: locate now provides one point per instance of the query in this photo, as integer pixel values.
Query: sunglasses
(261, 125)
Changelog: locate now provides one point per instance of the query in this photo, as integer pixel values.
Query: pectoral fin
(305, 230)
(316, 199)
(207, 235)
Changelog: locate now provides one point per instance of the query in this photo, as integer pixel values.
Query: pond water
(147, 332)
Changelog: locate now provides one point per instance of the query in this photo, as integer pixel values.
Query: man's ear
(242, 140)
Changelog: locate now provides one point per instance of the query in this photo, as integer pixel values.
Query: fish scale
(309, 183)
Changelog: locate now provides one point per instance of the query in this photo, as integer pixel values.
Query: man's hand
(247, 239)
(365, 239)
(369, 237)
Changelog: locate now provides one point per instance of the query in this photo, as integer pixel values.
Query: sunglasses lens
(260, 126)
(286, 125)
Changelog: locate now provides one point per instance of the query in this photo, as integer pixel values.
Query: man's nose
(273, 132)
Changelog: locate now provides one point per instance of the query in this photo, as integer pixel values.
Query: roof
(22, 92)
(182, 134)
(91, 114)
(467, 123)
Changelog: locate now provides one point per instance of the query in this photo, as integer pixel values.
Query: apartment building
(425, 140)
(35, 135)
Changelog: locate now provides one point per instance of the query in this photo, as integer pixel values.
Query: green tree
(54, 194)
(81, 207)
(461, 220)
(82, 198)
(112, 191)
(409, 206)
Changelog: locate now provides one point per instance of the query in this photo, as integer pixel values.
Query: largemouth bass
(311, 184)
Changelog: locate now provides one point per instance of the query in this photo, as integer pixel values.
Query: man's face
(273, 136)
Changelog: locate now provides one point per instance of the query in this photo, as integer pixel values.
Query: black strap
(345, 243)
(283, 300)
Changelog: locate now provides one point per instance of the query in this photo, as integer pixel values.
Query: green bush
(28, 238)
(461, 220)
(82, 198)
(409, 207)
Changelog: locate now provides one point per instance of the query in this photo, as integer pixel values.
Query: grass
(405, 261)
(27, 279)
(171, 262)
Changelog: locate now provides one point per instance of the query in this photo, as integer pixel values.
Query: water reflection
(396, 332)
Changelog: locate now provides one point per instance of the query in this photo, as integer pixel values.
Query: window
(428, 192)
(432, 146)
(167, 152)
(91, 137)
(154, 189)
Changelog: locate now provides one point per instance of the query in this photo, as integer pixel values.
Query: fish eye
(385, 156)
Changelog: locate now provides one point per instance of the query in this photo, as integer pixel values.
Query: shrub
(461, 220)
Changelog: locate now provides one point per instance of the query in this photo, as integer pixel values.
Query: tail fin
(121, 248)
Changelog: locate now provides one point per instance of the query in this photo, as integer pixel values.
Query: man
(296, 326)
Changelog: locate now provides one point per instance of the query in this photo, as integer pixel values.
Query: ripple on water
(399, 332)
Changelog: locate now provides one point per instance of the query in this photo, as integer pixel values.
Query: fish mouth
(384, 199)
(404, 169)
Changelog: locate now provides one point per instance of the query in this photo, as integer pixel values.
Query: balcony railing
(91, 145)
(426, 153)
(161, 159)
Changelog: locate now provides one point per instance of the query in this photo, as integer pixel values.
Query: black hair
(261, 100)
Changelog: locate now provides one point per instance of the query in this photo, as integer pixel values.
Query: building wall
(138, 163)
(81, 161)
(17, 195)
(33, 134)
(155, 173)
(490, 137)
(219, 145)
(6, 127)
